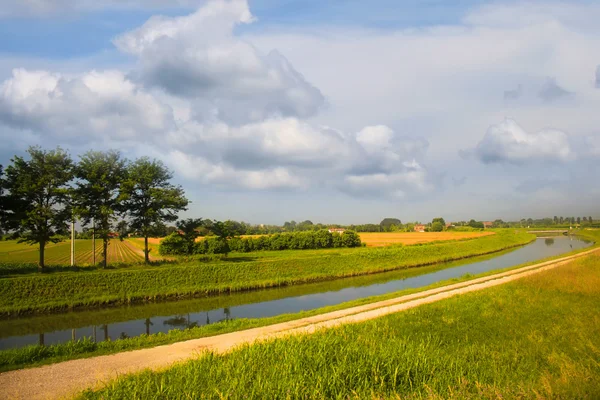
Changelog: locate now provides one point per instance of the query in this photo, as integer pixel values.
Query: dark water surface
(129, 321)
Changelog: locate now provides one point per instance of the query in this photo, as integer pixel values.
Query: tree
(437, 226)
(555, 220)
(579, 220)
(99, 175)
(122, 229)
(440, 220)
(499, 224)
(188, 229)
(3, 204)
(387, 224)
(38, 196)
(590, 220)
(475, 224)
(150, 198)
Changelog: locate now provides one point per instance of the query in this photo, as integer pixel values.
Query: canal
(135, 320)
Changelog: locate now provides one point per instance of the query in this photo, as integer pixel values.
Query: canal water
(129, 321)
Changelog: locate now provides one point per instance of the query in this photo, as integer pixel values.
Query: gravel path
(68, 378)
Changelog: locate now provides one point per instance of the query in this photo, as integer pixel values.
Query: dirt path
(68, 378)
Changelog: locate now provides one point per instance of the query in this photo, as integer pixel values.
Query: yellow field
(372, 239)
(376, 239)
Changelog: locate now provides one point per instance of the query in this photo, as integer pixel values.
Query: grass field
(536, 338)
(67, 290)
(12, 252)
(376, 239)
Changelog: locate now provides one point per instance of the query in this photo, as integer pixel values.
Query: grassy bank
(534, 338)
(39, 355)
(69, 290)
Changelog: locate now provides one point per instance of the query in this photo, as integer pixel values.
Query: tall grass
(61, 291)
(535, 338)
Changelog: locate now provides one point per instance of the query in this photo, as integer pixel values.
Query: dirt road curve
(68, 378)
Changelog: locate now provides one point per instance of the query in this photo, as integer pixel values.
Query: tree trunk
(41, 262)
(105, 253)
(146, 256)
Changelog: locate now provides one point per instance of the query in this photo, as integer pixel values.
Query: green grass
(69, 290)
(535, 338)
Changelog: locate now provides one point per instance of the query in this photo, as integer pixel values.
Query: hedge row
(176, 244)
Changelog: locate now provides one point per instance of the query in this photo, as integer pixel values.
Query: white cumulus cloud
(198, 56)
(507, 142)
(93, 104)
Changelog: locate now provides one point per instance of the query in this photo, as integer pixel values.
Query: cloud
(92, 105)
(291, 154)
(200, 170)
(45, 8)
(197, 56)
(598, 77)
(513, 94)
(216, 109)
(507, 142)
(551, 91)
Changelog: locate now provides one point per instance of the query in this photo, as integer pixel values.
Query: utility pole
(73, 242)
(94, 242)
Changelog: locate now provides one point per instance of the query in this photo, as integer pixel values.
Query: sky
(335, 111)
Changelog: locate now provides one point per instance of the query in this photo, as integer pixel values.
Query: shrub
(350, 239)
(437, 227)
(216, 246)
(174, 244)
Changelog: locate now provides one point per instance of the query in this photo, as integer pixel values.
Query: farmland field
(376, 239)
(59, 253)
(372, 239)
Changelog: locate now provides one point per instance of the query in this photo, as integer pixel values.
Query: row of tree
(184, 242)
(42, 193)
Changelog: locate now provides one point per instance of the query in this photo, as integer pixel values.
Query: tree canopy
(39, 196)
(149, 198)
(99, 177)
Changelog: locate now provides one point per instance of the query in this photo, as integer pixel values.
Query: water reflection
(152, 318)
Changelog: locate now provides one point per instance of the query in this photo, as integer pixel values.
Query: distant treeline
(180, 244)
(236, 228)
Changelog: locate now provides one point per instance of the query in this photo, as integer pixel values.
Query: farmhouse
(487, 224)
(336, 230)
(419, 228)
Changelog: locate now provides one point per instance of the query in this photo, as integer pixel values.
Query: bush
(174, 244)
(437, 227)
(216, 246)
(350, 239)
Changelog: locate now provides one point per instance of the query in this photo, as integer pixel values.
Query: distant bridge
(555, 231)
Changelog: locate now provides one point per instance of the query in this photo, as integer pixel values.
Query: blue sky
(336, 111)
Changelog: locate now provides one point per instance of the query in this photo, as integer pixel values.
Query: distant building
(336, 230)
(487, 224)
(419, 228)
(449, 224)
